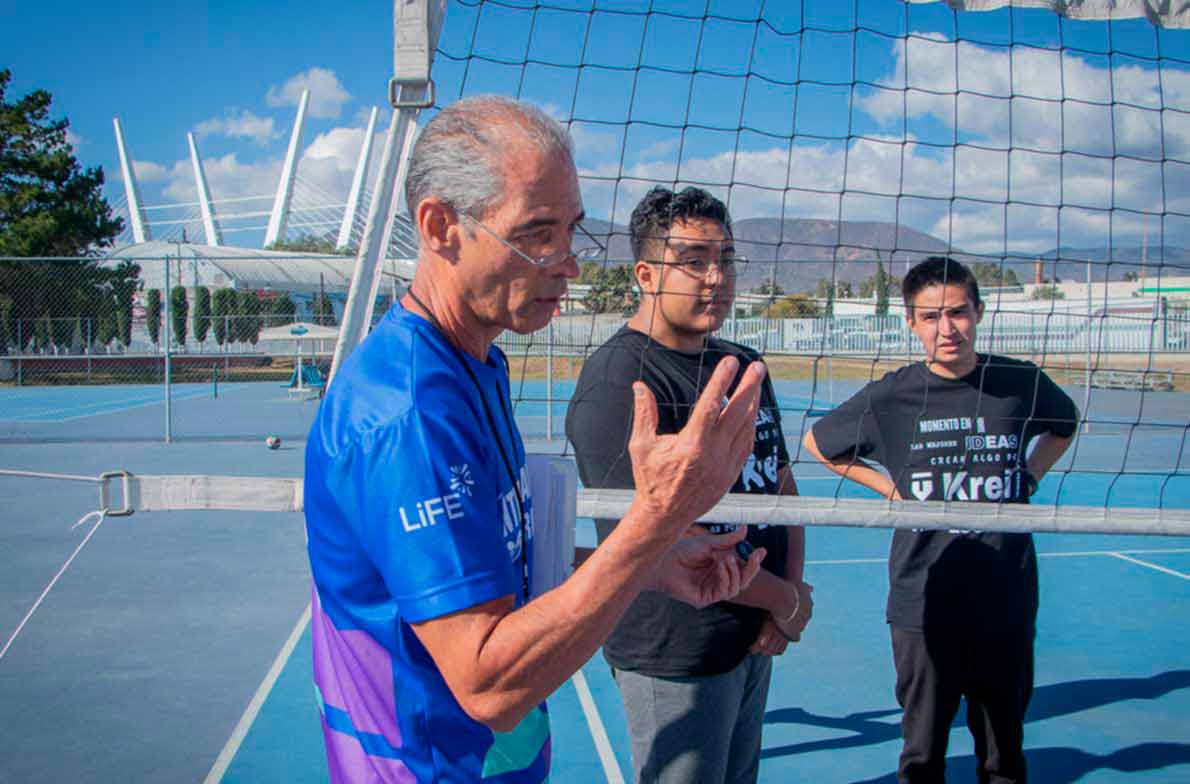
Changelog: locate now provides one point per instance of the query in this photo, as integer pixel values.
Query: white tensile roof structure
(220, 266)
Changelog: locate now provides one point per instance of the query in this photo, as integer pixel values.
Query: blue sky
(805, 114)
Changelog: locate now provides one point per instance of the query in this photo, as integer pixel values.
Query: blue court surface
(174, 648)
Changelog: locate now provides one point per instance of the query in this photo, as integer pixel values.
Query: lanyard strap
(516, 488)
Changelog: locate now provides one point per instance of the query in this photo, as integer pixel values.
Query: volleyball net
(1049, 152)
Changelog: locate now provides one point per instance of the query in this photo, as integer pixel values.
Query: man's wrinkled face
(541, 207)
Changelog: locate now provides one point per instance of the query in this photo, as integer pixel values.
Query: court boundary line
(87, 414)
(603, 745)
(1152, 566)
(232, 746)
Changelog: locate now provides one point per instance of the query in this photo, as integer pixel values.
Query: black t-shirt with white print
(657, 635)
(959, 440)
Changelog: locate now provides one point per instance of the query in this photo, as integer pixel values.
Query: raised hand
(680, 476)
(702, 570)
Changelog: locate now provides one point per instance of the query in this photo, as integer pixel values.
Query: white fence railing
(1003, 333)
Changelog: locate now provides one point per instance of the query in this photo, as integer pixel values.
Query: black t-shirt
(657, 635)
(960, 440)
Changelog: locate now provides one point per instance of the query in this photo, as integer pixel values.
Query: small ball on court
(273, 442)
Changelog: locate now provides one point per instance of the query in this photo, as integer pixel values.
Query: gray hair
(459, 153)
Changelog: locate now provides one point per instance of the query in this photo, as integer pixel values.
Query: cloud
(227, 178)
(981, 201)
(324, 173)
(1036, 98)
(73, 139)
(245, 125)
(1032, 171)
(327, 94)
(148, 171)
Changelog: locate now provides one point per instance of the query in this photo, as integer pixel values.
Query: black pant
(935, 669)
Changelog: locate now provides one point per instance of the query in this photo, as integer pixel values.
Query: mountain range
(795, 253)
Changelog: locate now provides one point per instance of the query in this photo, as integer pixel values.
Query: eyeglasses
(700, 266)
(589, 253)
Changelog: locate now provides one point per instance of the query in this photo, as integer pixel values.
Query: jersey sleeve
(429, 490)
(851, 428)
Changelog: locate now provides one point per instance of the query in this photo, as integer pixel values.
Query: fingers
(644, 418)
(752, 568)
(741, 409)
(770, 641)
(706, 410)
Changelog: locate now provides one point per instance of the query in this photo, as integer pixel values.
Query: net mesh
(851, 141)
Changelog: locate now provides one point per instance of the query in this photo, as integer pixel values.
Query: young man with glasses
(694, 682)
(431, 658)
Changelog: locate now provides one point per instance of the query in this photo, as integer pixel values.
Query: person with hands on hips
(962, 604)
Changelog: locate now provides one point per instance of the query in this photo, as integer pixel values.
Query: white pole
(1087, 391)
(136, 213)
(279, 217)
(549, 382)
(169, 436)
(357, 184)
(209, 227)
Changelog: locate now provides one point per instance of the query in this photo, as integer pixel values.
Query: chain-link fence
(165, 332)
(126, 347)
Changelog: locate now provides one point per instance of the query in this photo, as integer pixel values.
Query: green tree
(588, 272)
(124, 323)
(105, 329)
(994, 275)
(881, 283)
(123, 283)
(1048, 292)
(49, 206)
(7, 331)
(179, 313)
(825, 292)
(794, 306)
(283, 310)
(247, 322)
(43, 334)
(310, 243)
(276, 309)
(613, 291)
(324, 311)
(224, 305)
(153, 315)
(202, 313)
(78, 339)
(770, 289)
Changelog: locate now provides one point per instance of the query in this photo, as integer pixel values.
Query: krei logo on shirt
(963, 486)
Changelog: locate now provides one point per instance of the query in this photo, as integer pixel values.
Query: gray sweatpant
(697, 730)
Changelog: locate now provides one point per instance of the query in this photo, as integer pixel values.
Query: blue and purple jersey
(411, 514)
